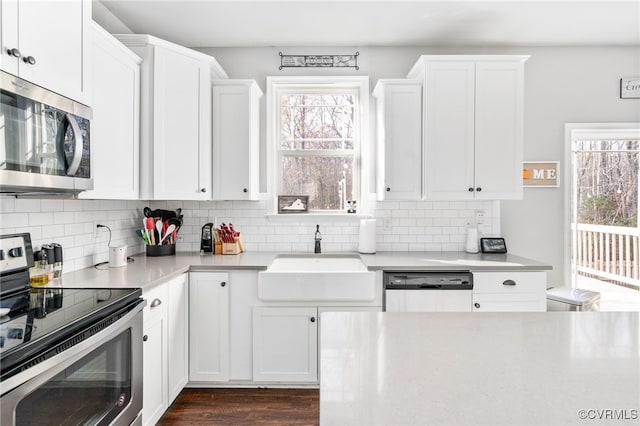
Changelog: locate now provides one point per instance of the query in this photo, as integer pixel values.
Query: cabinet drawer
(509, 282)
(516, 302)
(157, 301)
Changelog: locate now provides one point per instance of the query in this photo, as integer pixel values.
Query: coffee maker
(206, 239)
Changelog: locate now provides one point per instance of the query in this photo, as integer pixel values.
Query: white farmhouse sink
(317, 278)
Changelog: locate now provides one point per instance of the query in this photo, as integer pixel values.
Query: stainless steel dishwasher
(425, 291)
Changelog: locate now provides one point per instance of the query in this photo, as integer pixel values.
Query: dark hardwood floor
(244, 407)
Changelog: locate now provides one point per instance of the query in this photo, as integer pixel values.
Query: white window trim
(361, 83)
(576, 131)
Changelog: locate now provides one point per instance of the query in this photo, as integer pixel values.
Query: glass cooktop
(44, 316)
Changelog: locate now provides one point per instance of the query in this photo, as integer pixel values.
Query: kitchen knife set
(160, 227)
(222, 240)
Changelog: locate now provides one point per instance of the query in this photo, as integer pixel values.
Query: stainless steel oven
(71, 356)
(45, 143)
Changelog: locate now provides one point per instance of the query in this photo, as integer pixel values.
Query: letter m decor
(541, 174)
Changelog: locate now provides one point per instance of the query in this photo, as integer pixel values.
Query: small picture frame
(291, 204)
(630, 88)
(493, 245)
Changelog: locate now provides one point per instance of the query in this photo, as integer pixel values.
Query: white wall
(562, 84)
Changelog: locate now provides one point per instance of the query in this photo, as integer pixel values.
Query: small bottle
(317, 238)
(57, 264)
(38, 274)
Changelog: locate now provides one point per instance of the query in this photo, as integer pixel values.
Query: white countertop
(148, 271)
(480, 369)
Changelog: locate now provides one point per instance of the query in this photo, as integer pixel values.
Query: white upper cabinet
(473, 126)
(47, 43)
(399, 139)
(175, 144)
(236, 139)
(115, 127)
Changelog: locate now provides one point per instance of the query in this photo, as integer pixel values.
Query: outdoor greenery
(607, 182)
(317, 141)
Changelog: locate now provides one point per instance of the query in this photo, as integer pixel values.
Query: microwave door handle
(77, 153)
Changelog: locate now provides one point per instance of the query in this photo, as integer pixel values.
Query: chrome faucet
(317, 238)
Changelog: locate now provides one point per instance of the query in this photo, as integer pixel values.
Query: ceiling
(244, 23)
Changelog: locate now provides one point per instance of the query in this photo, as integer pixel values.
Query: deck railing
(609, 252)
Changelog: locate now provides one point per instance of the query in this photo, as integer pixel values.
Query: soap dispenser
(317, 238)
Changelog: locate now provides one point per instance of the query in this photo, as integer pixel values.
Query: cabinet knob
(509, 282)
(476, 305)
(471, 189)
(388, 189)
(29, 60)
(245, 190)
(203, 189)
(478, 189)
(14, 52)
(145, 338)
(223, 283)
(313, 319)
(156, 302)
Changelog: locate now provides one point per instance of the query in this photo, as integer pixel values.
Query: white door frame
(623, 129)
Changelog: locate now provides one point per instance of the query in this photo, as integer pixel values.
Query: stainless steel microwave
(45, 140)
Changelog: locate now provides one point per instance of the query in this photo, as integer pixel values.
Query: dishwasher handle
(430, 286)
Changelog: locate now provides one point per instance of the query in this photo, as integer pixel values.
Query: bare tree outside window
(318, 146)
(607, 182)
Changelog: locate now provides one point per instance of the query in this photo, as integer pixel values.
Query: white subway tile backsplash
(415, 225)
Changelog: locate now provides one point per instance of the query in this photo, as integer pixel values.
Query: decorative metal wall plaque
(319, 61)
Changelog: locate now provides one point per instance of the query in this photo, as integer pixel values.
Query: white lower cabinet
(285, 344)
(209, 327)
(510, 291)
(178, 335)
(154, 350)
(165, 346)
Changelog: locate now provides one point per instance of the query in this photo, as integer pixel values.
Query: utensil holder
(164, 250)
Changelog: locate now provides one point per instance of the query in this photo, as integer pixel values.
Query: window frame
(359, 87)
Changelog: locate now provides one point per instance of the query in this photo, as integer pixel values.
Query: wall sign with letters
(630, 88)
(540, 174)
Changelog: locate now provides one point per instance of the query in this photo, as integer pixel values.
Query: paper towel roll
(367, 241)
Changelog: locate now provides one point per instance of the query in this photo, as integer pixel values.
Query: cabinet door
(235, 126)
(499, 130)
(9, 36)
(178, 335)
(285, 344)
(209, 327)
(115, 127)
(449, 131)
(54, 34)
(181, 127)
(399, 139)
(154, 350)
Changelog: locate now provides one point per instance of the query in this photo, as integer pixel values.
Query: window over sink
(316, 138)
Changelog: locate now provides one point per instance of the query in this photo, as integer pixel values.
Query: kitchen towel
(367, 241)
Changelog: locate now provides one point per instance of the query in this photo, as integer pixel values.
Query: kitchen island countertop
(549, 368)
(147, 271)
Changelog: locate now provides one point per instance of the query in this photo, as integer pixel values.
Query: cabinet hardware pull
(145, 338)
(156, 302)
(29, 60)
(477, 305)
(388, 189)
(203, 190)
(14, 52)
(313, 319)
(471, 189)
(245, 190)
(223, 283)
(478, 189)
(509, 282)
